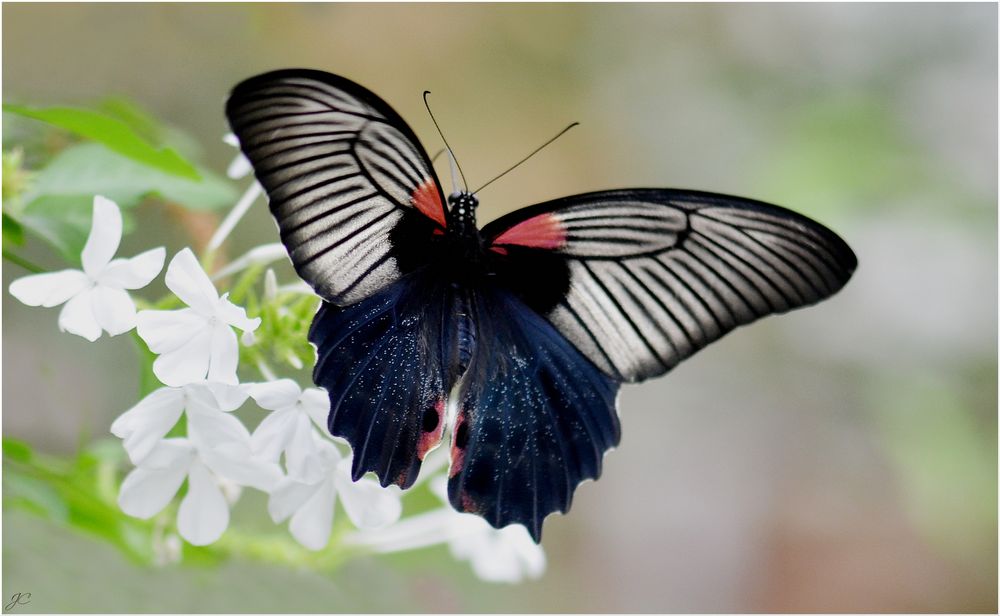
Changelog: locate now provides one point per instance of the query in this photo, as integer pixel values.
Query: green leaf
(16, 450)
(35, 495)
(13, 232)
(112, 132)
(136, 118)
(150, 129)
(59, 204)
(62, 222)
(92, 169)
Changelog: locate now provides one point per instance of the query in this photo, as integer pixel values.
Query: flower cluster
(189, 431)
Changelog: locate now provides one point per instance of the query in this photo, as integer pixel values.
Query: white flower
(203, 514)
(196, 341)
(496, 555)
(240, 165)
(95, 297)
(223, 442)
(311, 505)
(142, 426)
(218, 452)
(289, 428)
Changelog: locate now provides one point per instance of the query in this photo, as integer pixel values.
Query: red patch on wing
(427, 199)
(469, 505)
(542, 231)
(430, 440)
(457, 453)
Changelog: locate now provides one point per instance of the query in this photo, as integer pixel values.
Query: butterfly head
(462, 211)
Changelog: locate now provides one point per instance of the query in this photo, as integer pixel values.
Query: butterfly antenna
(452, 163)
(438, 127)
(535, 151)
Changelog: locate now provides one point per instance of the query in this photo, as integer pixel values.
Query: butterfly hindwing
(655, 275)
(342, 171)
(387, 366)
(535, 417)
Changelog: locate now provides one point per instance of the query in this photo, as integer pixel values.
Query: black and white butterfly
(538, 317)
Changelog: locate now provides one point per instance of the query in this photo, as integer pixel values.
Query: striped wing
(653, 275)
(343, 172)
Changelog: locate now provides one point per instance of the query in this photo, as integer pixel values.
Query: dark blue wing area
(535, 417)
(387, 368)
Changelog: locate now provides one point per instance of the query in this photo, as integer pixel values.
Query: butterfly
(529, 324)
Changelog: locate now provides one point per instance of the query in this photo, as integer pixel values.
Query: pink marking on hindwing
(458, 453)
(430, 440)
(542, 231)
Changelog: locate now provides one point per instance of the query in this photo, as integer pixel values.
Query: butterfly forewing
(342, 170)
(655, 275)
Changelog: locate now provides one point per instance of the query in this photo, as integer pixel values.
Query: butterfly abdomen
(466, 333)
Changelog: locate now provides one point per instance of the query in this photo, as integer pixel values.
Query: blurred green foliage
(118, 135)
(52, 199)
(50, 192)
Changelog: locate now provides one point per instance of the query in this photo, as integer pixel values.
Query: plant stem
(28, 265)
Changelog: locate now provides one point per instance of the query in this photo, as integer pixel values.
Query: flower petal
(113, 309)
(224, 444)
(316, 403)
(143, 425)
(275, 395)
(366, 503)
(273, 434)
(147, 490)
(410, 533)
(204, 514)
(167, 330)
(235, 315)
(105, 235)
(136, 272)
(227, 397)
(77, 317)
(49, 289)
(242, 468)
(504, 555)
(311, 524)
(287, 496)
(239, 167)
(303, 459)
(225, 355)
(185, 364)
(236, 464)
(190, 283)
(167, 452)
(209, 427)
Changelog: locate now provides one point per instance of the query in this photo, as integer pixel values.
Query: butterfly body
(462, 217)
(531, 322)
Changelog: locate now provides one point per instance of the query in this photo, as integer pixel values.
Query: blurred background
(840, 458)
